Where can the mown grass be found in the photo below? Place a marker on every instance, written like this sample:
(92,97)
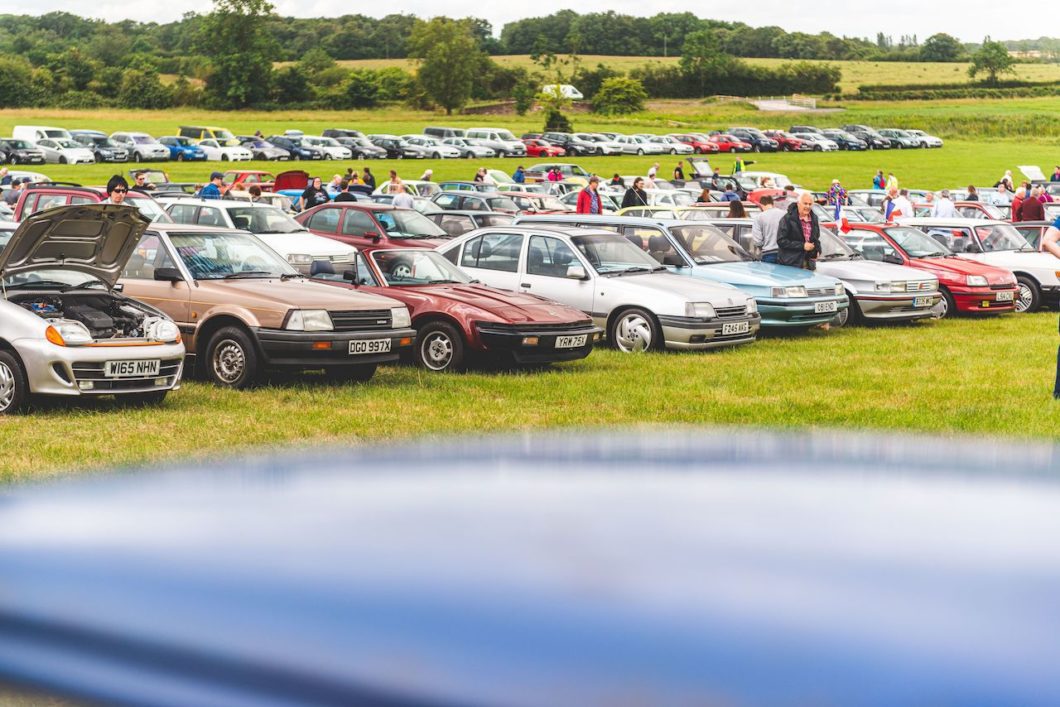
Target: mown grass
(954,377)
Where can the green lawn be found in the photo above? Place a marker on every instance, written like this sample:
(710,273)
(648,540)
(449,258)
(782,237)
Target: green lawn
(955,377)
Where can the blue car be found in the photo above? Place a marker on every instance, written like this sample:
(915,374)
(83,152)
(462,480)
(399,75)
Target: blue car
(182,149)
(787,297)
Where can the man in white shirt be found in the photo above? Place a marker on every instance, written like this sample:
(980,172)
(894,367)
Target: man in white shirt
(943,206)
(903,208)
(764,229)
(1001,197)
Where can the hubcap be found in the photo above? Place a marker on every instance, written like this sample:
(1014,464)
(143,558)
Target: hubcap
(633,334)
(229,361)
(1025,298)
(437,351)
(7,387)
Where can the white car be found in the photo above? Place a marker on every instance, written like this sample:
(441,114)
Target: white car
(142,147)
(604,144)
(216,152)
(269,223)
(499,140)
(925,139)
(820,142)
(637,145)
(998,243)
(332,148)
(65,151)
(672,145)
(67,331)
(469,148)
(435,148)
(668,197)
(640,306)
(778,180)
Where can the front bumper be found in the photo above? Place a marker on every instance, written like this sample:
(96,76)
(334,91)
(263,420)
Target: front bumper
(112,157)
(897,307)
(693,334)
(515,340)
(79,370)
(975,300)
(783,312)
(316,349)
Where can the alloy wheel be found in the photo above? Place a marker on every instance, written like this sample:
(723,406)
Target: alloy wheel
(436,351)
(7,387)
(1025,299)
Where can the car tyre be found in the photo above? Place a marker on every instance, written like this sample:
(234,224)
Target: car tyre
(946,307)
(14,159)
(818,148)
(180,157)
(640,152)
(439,347)
(231,360)
(634,330)
(14,391)
(62,159)
(137,157)
(756,148)
(1029,297)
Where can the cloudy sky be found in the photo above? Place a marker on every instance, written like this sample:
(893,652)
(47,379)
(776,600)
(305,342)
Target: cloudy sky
(968,20)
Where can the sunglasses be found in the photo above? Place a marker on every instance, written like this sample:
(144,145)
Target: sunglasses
(119,190)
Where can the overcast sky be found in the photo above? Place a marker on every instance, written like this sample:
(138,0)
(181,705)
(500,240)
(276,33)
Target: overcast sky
(968,20)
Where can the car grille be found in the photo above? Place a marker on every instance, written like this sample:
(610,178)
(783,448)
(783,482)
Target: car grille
(552,328)
(1003,287)
(730,312)
(820,292)
(367,320)
(94,372)
(925,286)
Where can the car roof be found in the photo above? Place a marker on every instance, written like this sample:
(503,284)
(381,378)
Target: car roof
(170,228)
(607,218)
(953,222)
(223,203)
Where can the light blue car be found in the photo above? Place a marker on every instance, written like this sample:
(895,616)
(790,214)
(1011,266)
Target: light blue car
(786,296)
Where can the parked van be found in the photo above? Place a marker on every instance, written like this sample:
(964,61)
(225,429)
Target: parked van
(565,90)
(500,140)
(33,133)
(224,137)
(442,133)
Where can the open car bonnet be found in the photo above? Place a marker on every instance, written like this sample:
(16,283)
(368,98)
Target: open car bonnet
(96,239)
(1032,172)
(291,179)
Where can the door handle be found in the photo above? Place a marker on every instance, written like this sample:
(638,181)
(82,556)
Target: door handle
(525,284)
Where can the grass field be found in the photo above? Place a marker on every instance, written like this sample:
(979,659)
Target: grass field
(955,377)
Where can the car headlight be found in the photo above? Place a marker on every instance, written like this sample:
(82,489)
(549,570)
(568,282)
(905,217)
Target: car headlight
(752,306)
(300,259)
(162,330)
(67,332)
(977,281)
(839,290)
(310,320)
(794,291)
(399,318)
(701,310)
(883,287)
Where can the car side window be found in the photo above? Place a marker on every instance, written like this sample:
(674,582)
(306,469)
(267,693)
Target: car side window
(456,224)
(474,205)
(209,216)
(183,213)
(494,251)
(446,201)
(81,200)
(655,243)
(357,223)
(149,255)
(324,220)
(871,246)
(50,202)
(549,257)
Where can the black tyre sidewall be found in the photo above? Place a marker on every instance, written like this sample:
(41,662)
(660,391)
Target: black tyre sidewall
(21,385)
(423,334)
(250,356)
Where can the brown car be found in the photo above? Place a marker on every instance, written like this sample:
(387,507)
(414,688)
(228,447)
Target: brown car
(243,309)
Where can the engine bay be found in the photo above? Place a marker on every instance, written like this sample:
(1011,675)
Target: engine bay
(104,315)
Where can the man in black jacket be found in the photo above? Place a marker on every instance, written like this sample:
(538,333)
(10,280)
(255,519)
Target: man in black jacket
(799,235)
(635,195)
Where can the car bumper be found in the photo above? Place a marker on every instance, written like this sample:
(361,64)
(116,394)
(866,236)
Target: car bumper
(897,307)
(778,313)
(692,334)
(518,341)
(982,299)
(193,157)
(113,158)
(32,159)
(311,349)
(79,370)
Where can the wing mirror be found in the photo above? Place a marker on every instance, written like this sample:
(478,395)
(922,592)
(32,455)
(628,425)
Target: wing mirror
(168,275)
(973,247)
(351,274)
(576,272)
(893,258)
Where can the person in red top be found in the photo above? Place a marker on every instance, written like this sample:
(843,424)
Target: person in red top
(1032,208)
(1022,194)
(589,197)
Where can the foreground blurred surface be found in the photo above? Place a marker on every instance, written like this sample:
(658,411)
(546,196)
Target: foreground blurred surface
(693,567)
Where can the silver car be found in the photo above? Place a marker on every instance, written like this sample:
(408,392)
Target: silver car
(64,330)
(640,306)
(60,150)
(469,148)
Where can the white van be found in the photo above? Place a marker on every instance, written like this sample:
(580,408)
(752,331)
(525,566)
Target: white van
(565,90)
(33,133)
(500,140)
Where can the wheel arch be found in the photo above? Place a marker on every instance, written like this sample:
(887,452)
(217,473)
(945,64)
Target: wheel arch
(617,311)
(215,323)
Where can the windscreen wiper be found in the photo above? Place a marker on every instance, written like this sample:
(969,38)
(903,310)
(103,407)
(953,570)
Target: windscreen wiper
(247,273)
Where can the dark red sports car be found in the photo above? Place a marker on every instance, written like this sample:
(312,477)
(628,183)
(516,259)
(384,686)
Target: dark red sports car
(360,224)
(456,319)
(788,142)
(536,147)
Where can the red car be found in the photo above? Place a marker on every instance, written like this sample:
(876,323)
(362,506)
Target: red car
(361,225)
(456,319)
(966,286)
(700,143)
(244,178)
(728,143)
(38,197)
(788,142)
(539,148)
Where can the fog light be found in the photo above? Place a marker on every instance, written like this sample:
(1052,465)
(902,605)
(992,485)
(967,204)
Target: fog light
(598,336)
(407,341)
(86,385)
(159,382)
(321,345)
(530,341)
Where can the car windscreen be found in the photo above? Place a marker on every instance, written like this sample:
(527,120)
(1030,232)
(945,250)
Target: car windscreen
(833,247)
(143,140)
(1001,237)
(917,244)
(501,203)
(228,256)
(407,223)
(612,253)
(264,220)
(409,267)
(18,144)
(149,208)
(67,144)
(708,245)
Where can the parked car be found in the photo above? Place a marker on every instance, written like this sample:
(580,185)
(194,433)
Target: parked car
(536,147)
(925,139)
(499,140)
(442,133)
(1033,231)
(398,149)
(142,147)
(786,297)
(538,172)
(900,139)
(867,197)
(66,330)
(435,148)
(729,143)
(217,152)
(637,145)
(361,148)
(796,129)
(457,223)
(244,310)
(244,178)
(46,196)
(197,133)
(608,203)
(574,146)
(338,133)
(530,203)
(360,225)
(966,209)
(819,142)
(467,201)
(33,133)
(700,144)
(332,148)
(755,179)
(183,149)
(469,149)
(15,151)
(415,187)
(420,204)
(870,136)
(626,292)
(759,141)
(966,286)
(103,148)
(65,151)
(264,150)
(457,320)
(295,147)
(464,185)
(788,142)
(603,144)
(672,145)
(845,140)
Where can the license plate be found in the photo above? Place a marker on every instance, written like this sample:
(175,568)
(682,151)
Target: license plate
(571,342)
(132,369)
(1004,296)
(735,328)
(922,301)
(825,307)
(370,346)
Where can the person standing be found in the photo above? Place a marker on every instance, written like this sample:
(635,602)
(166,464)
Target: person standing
(653,171)
(1056,174)
(973,193)
(117,188)
(1017,204)
(799,235)
(142,185)
(764,229)
(944,207)
(903,208)
(402,199)
(1001,197)
(345,194)
(704,197)
(314,195)
(427,174)
(736,210)
(1051,243)
(878,182)
(837,198)
(369,178)
(213,189)
(635,195)
(1033,209)
(730,194)
(679,173)
(519,175)
(892,182)
(589,198)
(5,178)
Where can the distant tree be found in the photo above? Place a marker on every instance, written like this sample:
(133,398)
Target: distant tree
(16,82)
(447,55)
(620,95)
(992,59)
(291,85)
(557,122)
(315,61)
(143,89)
(361,90)
(241,52)
(703,60)
(941,47)
(524,92)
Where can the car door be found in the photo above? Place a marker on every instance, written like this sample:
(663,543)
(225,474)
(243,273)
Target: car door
(138,279)
(544,273)
(358,228)
(493,258)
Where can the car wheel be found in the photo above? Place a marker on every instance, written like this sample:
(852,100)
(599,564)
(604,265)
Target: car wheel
(924,145)
(62,159)
(13,388)
(640,152)
(851,315)
(785,148)
(947,307)
(231,360)
(439,347)
(818,148)
(756,148)
(1029,297)
(900,146)
(634,331)
(137,157)
(14,159)
(151,399)
(180,157)
(436,156)
(357,374)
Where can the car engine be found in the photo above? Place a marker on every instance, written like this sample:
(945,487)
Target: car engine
(105,317)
